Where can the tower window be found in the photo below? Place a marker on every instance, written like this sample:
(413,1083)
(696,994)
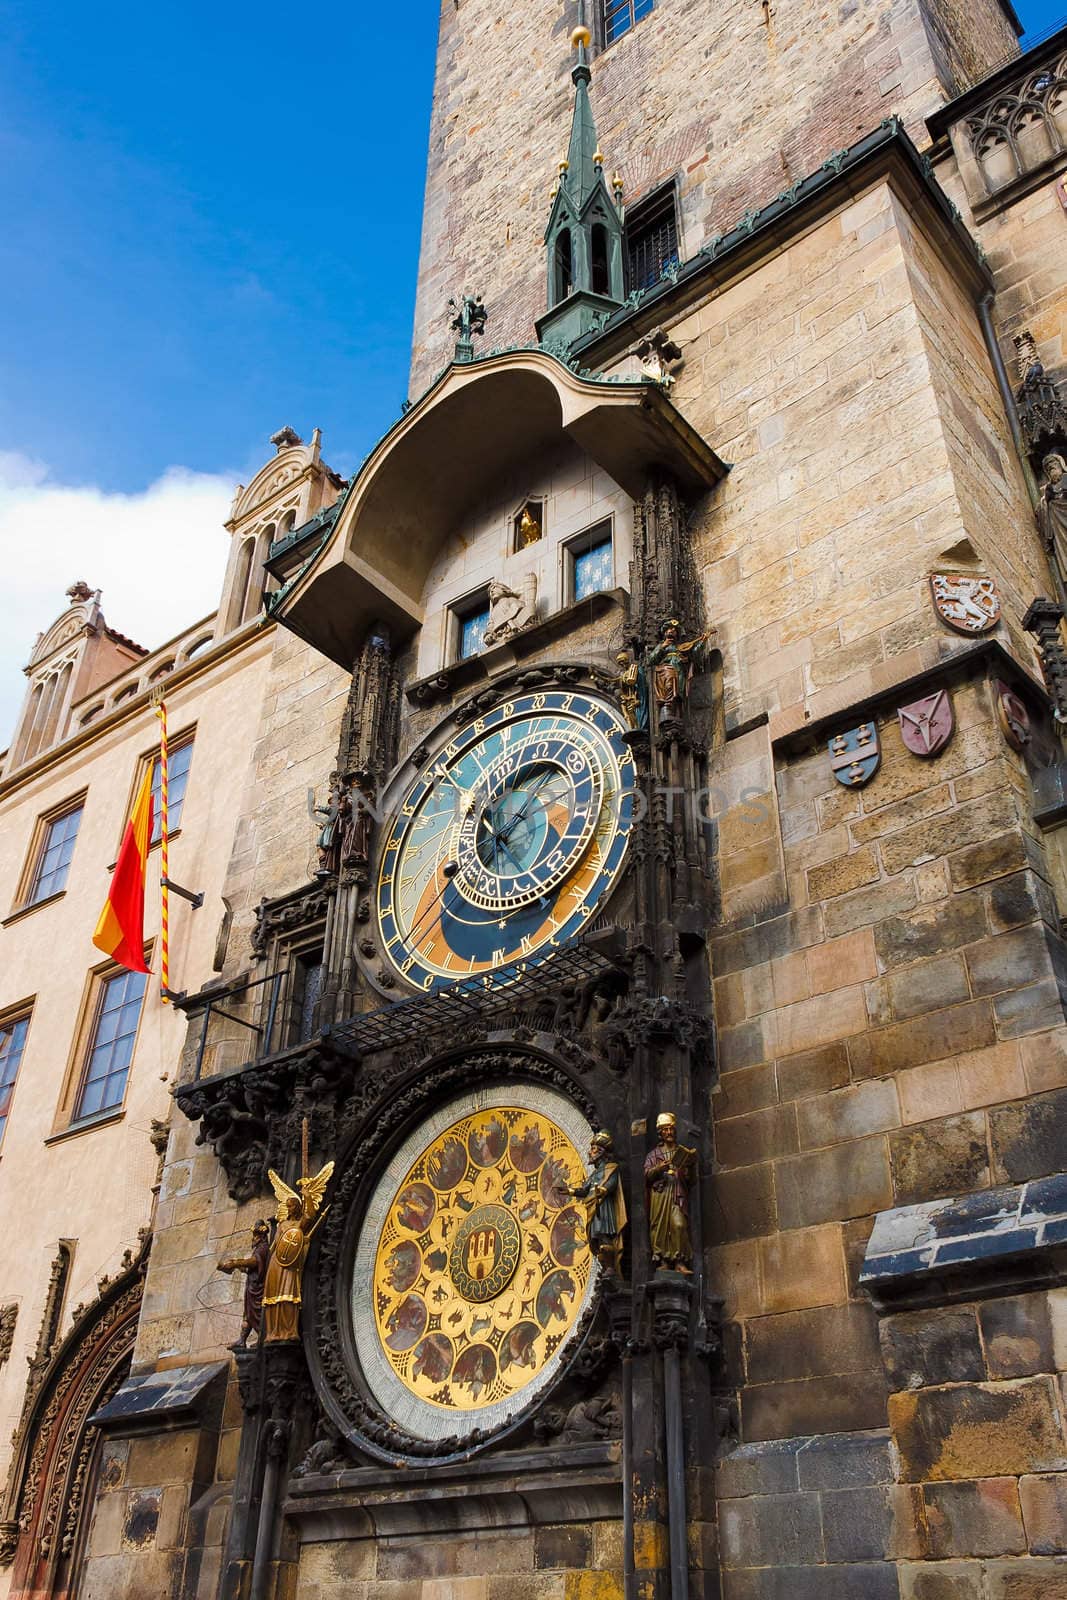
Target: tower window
(564,265)
(469,622)
(601,276)
(619,17)
(591,561)
(651,238)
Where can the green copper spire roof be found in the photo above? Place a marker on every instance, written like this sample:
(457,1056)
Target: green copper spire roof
(582,171)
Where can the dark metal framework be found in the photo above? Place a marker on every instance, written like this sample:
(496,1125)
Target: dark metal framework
(619,17)
(651,238)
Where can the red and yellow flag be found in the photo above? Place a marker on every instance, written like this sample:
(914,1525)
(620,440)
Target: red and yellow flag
(120,930)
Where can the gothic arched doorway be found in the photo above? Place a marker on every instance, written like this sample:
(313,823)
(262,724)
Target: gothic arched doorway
(50,1487)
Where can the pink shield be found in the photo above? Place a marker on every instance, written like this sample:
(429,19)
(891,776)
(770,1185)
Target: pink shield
(926,725)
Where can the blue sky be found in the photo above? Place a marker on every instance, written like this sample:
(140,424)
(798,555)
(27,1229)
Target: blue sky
(210,228)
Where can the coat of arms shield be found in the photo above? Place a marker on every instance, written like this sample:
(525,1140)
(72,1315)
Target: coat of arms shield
(968,603)
(854,756)
(926,725)
(1013,716)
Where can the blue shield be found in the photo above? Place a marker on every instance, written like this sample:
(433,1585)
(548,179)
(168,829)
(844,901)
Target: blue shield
(855,755)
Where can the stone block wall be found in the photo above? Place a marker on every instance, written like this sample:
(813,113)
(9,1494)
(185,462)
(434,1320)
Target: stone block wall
(733,104)
(147,1531)
(896,1035)
(565,1561)
(867,451)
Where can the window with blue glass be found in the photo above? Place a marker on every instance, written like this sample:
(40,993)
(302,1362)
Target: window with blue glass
(472,625)
(179,760)
(620,16)
(107,1065)
(53,862)
(12,1043)
(593,566)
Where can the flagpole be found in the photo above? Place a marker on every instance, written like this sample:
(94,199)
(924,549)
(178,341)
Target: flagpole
(164,854)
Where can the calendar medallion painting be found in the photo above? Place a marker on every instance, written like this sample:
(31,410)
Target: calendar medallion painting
(474,1257)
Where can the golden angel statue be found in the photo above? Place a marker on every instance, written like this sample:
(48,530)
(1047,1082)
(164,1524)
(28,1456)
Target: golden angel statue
(288,1252)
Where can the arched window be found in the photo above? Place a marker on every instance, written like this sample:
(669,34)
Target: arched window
(601,275)
(239,592)
(564,267)
(199,647)
(253,600)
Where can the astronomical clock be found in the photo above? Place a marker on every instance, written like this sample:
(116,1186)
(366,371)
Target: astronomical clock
(472,1267)
(508,841)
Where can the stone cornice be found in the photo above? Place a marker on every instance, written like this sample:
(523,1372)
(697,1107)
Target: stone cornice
(887,154)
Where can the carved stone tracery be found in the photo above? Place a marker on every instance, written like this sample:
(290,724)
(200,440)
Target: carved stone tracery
(55,1441)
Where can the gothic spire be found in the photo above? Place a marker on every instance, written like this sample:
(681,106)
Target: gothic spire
(584,233)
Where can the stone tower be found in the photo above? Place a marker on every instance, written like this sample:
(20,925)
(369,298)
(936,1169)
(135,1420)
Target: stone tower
(665,975)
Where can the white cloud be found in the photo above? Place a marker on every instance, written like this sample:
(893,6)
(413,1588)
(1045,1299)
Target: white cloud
(158,556)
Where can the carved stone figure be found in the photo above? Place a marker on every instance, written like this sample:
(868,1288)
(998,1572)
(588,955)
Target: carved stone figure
(508,610)
(599,1417)
(356,828)
(337,812)
(254,1266)
(605,1204)
(288,1252)
(1052,512)
(669,1172)
(632,689)
(674,665)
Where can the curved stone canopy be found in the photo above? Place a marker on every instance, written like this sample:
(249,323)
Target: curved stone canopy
(468,434)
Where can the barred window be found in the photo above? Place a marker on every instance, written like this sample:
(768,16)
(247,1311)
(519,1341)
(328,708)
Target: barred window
(651,238)
(620,15)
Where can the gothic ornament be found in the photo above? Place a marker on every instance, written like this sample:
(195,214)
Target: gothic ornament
(674,664)
(510,610)
(1013,717)
(968,603)
(926,725)
(855,756)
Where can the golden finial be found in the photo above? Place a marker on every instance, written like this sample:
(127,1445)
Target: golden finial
(563,167)
(616,181)
(581,36)
(598,158)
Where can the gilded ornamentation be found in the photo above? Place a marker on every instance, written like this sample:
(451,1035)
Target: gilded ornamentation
(669,1172)
(482,1261)
(289,1248)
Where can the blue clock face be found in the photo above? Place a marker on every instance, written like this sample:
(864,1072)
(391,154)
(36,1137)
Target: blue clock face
(509,841)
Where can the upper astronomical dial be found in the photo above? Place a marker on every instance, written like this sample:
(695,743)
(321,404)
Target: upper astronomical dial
(529,821)
(508,840)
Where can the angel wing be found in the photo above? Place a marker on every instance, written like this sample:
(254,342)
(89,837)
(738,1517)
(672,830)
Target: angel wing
(282,1193)
(314,1189)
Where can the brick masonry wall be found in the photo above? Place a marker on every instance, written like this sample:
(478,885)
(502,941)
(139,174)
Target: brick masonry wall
(734,102)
